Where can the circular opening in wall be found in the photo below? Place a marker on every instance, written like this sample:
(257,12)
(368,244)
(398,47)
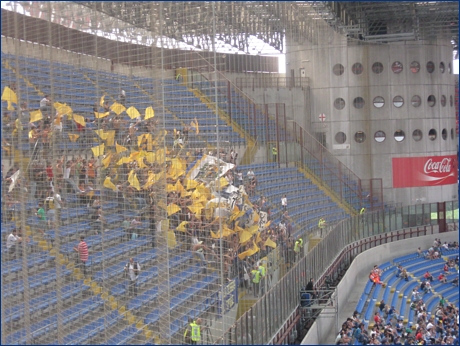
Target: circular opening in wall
(340,137)
(416,101)
(357,68)
(360,137)
(339,103)
(377,67)
(398,101)
(379,102)
(338,69)
(379,136)
(358,102)
(417,135)
(444,134)
(432,134)
(430,66)
(397,67)
(431,100)
(452,134)
(451,101)
(414,66)
(399,135)
(443,100)
(442,68)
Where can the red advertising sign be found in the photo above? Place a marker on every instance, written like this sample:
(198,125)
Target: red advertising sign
(424,171)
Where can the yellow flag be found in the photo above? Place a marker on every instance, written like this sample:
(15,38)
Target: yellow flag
(258,238)
(101,102)
(197,128)
(270,243)
(101,134)
(73,138)
(172,209)
(245,254)
(171,239)
(9,95)
(123,160)
(191,184)
(254,250)
(132,112)
(108,184)
(253,229)
(132,179)
(195,208)
(140,161)
(139,140)
(150,156)
(36,116)
(149,113)
(117,108)
(79,119)
(100,115)
(120,148)
(170,188)
(106,160)
(223,182)
(99,150)
(245,236)
(31,133)
(110,137)
(182,225)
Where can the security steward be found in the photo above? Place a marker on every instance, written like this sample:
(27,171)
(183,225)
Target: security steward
(274,153)
(321,225)
(297,248)
(196,331)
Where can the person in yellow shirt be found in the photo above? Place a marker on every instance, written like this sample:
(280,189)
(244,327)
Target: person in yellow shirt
(255,273)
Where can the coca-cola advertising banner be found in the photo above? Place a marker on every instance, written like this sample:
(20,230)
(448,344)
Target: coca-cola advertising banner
(424,171)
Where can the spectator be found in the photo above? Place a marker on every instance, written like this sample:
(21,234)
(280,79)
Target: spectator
(446,268)
(83,254)
(420,252)
(284,203)
(250,175)
(42,222)
(198,249)
(310,288)
(45,104)
(442,278)
(122,97)
(455,281)
(399,271)
(428,276)
(12,244)
(133,269)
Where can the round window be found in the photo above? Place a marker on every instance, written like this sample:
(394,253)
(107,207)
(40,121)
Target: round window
(358,102)
(432,134)
(452,134)
(451,100)
(443,100)
(431,100)
(379,136)
(442,67)
(360,136)
(377,67)
(416,101)
(417,135)
(398,101)
(338,69)
(444,134)
(379,102)
(397,67)
(430,66)
(399,135)
(415,66)
(339,103)
(340,137)
(449,69)
(357,68)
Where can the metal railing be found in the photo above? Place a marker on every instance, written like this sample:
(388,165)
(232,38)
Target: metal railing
(270,81)
(261,323)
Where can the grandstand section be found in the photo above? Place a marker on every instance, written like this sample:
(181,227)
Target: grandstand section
(151,194)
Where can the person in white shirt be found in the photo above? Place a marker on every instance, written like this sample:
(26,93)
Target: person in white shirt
(45,104)
(12,242)
(133,269)
(284,203)
(250,174)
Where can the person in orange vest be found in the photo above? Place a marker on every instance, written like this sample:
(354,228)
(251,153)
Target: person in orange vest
(374,276)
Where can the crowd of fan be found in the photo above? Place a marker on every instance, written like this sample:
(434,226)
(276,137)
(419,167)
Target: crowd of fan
(47,182)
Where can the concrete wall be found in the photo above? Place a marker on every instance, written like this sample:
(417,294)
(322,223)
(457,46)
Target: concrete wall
(359,270)
(370,159)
